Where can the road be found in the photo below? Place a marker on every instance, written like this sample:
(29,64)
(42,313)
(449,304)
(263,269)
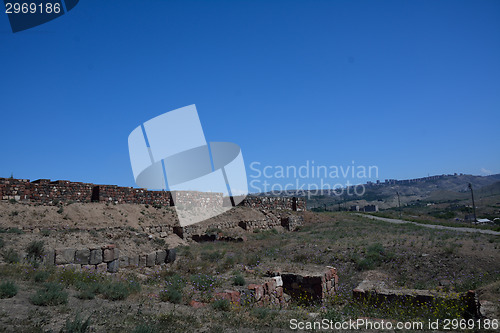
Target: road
(433,226)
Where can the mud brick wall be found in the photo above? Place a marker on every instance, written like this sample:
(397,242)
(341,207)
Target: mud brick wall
(105,259)
(275,203)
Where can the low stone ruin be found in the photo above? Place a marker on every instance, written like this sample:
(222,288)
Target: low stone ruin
(105,259)
(372,292)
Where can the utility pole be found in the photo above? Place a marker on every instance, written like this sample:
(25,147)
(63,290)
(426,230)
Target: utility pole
(399,204)
(473,204)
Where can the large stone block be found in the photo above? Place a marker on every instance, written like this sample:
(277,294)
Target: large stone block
(108,255)
(142,260)
(49,257)
(113,266)
(151,259)
(161,256)
(171,255)
(133,261)
(124,261)
(64,256)
(82,256)
(95,256)
(102,267)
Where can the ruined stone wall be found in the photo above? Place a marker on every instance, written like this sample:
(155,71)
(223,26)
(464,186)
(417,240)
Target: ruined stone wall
(45,191)
(105,259)
(275,203)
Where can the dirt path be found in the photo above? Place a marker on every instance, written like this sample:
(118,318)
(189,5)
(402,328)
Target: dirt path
(432,226)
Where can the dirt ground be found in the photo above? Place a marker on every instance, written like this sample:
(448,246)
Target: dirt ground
(399,256)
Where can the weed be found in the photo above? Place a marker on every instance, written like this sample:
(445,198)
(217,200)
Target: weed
(35,251)
(8,289)
(41,276)
(221,305)
(144,328)
(52,293)
(239,280)
(171,295)
(78,325)
(11,256)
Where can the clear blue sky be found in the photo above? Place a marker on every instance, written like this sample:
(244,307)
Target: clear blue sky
(412,87)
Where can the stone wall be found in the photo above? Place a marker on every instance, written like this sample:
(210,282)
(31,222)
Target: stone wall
(374,294)
(309,288)
(275,203)
(105,259)
(45,191)
(199,232)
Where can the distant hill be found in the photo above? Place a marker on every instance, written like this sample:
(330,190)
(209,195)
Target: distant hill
(440,188)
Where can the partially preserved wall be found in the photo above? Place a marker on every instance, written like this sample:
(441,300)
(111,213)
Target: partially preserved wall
(45,191)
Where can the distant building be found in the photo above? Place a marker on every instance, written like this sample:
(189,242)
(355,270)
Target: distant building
(370,208)
(483,221)
(354,208)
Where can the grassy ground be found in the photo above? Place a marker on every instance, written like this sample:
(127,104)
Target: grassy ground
(144,300)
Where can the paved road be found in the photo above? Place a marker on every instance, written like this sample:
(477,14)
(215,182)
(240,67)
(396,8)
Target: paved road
(433,226)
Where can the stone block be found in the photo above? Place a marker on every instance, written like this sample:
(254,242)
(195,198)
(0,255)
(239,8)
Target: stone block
(90,268)
(151,259)
(49,257)
(64,256)
(108,255)
(134,261)
(95,256)
(258,290)
(82,256)
(113,266)
(161,256)
(142,261)
(171,255)
(124,261)
(102,267)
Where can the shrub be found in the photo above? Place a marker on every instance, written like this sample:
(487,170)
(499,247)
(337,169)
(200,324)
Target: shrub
(86,294)
(239,280)
(221,305)
(41,276)
(51,294)
(45,232)
(11,256)
(116,291)
(35,250)
(78,325)
(8,289)
(203,282)
(171,295)
(2,243)
(212,256)
(144,328)
(260,313)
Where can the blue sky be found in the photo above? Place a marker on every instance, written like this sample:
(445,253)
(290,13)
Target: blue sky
(412,87)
